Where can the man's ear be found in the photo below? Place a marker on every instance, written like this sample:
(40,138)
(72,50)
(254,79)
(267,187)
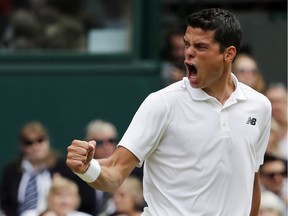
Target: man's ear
(229,54)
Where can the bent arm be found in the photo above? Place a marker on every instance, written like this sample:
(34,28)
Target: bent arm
(115,169)
(256,198)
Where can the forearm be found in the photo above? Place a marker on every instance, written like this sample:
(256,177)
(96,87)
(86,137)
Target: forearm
(103,174)
(115,169)
(256,199)
(110,177)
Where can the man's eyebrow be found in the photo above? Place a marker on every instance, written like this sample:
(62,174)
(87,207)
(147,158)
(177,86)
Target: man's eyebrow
(201,43)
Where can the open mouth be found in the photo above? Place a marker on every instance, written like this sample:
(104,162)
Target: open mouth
(191,68)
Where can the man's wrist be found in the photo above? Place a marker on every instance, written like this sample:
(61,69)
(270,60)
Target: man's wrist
(92,172)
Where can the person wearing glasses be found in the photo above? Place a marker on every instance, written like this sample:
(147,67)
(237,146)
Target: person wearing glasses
(105,134)
(26,180)
(273,176)
(203,138)
(277,94)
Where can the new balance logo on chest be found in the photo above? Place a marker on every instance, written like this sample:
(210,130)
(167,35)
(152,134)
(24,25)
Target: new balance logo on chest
(251,121)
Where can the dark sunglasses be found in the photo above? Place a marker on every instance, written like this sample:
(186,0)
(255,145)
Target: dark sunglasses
(101,142)
(272,175)
(35,141)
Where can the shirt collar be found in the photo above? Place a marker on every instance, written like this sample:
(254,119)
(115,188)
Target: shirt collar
(239,93)
(28,167)
(199,94)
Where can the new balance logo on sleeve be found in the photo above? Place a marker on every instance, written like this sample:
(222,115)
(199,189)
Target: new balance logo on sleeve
(251,121)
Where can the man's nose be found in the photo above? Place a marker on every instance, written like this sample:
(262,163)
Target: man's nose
(190,52)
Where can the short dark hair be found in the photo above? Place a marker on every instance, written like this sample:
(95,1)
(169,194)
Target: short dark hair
(227,27)
(272,158)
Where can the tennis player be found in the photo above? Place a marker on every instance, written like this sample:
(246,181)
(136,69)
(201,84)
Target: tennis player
(202,138)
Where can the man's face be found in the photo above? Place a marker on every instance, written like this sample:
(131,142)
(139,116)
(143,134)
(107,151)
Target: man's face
(124,202)
(203,60)
(246,71)
(278,99)
(272,175)
(63,201)
(105,144)
(35,147)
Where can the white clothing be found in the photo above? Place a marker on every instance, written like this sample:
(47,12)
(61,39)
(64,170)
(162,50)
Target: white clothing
(34,212)
(43,184)
(200,156)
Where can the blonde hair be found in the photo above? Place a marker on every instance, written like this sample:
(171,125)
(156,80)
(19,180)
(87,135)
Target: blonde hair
(33,127)
(38,128)
(260,84)
(59,183)
(134,186)
(99,126)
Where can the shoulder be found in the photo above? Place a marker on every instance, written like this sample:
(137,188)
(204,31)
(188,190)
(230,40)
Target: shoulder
(173,88)
(14,165)
(164,98)
(168,92)
(254,96)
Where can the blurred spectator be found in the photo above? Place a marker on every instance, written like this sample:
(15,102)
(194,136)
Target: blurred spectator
(246,70)
(63,199)
(106,13)
(23,32)
(58,24)
(105,134)
(33,165)
(273,176)
(277,94)
(173,57)
(271,205)
(128,198)
(93,202)
(65,33)
(273,144)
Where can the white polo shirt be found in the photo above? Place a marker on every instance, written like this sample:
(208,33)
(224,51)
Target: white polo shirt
(200,156)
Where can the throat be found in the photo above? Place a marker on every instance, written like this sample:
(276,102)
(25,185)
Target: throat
(221,93)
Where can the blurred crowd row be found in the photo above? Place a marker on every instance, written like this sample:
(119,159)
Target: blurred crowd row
(60,192)
(57,24)
(56,189)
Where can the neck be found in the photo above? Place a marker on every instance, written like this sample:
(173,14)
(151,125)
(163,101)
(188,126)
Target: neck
(222,89)
(135,213)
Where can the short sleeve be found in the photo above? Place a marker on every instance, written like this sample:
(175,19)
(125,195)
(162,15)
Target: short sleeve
(262,143)
(146,128)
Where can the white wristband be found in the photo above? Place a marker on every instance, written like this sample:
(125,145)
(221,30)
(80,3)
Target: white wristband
(92,172)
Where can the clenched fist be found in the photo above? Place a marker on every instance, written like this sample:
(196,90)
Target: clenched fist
(79,155)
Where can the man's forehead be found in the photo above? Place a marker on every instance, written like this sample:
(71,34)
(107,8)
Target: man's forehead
(198,35)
